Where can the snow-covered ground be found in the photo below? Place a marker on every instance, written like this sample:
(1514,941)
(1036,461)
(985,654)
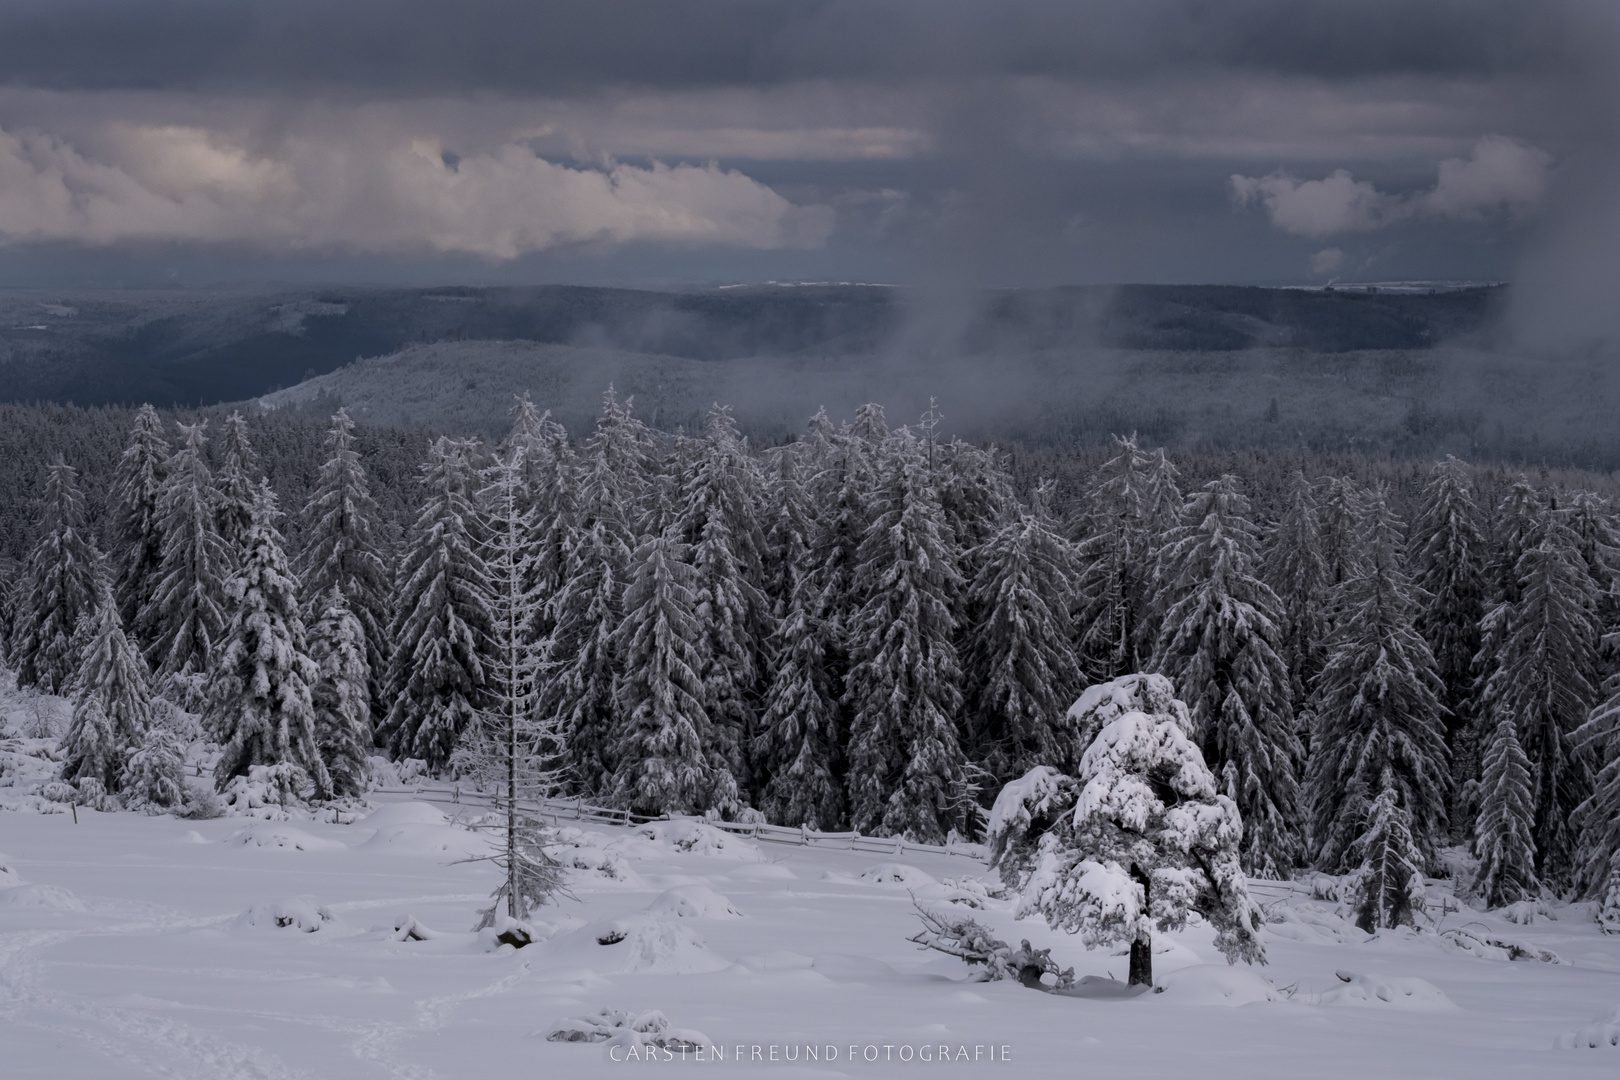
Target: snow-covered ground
(134,945)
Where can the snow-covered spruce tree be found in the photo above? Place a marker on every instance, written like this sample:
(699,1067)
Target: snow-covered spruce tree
(720,498)
(579,663)
(154,777)
(182,622)
(1297,573)
(1376,705)
(1389,887)
(551,486)
(1020,661)
(1598,818)
(1449,551)
(237,485)
(977,499)
(1543,681)
(1136,841)
(1503,827)
(112,709)
(61,584)
(342,693)
(436,671)
(1219,646)
(1341,511)
(137,511)
(797,750)
(259,704)
(666,759)
(903,691)
(1591,519)
(1162,507)
(1116,559)
(342,550)
(509,748)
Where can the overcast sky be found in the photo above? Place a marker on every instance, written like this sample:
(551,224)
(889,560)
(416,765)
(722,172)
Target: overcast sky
(702,141)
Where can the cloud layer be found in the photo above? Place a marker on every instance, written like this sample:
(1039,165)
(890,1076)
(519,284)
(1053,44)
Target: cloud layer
(177,183)
(1499,176)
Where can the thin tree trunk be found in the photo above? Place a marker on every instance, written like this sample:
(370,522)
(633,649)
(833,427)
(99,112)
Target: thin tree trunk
(1142,946)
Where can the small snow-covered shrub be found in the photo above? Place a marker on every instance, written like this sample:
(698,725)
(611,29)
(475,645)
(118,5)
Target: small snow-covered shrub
(700,838)
(407,928)
(1608,912)
(1603,1035)
(93,794)
(202,804)
(1526,912)
(892,873)
(577,849)
(957,934)
(9,877)
(411,771)
(649,1028)
(301,913)
(154,775)
(1381,991)
(265,786)
(694,902)
(59,791)
(1495,947)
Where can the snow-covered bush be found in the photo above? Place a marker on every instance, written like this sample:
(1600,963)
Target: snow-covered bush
(650,1028)
(281,785)
(1138,841)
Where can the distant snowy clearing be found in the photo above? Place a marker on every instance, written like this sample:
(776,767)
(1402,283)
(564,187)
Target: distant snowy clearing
(134,946)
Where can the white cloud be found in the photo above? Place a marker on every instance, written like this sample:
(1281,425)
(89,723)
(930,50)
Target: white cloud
(1327,260)
(334,190)
(1499,176)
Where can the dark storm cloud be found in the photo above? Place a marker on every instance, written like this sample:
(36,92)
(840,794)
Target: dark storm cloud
(524,47)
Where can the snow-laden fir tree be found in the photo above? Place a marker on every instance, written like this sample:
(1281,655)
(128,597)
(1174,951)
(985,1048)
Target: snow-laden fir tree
(154,776)
(579,666)
(1449,550)
(1377,705)
(112,708)
(903,690)
(1516,526)
(1297,573)
(1219,645)
(182,622)
(798,749)
(1341,510)
(61,584)
(1020,662)
(1162,507)
(259,684)
(666,757)
(341,695)
(1598,818)
(1116,559)
(136,510)
(1136,841)
(839,483)
(1591,519)
(343,551)
(1503,827)
(436,670)
(511,750)
(551,486)
(1543,680)
(720,498)
(236,482)
(1389,885)
(976,496)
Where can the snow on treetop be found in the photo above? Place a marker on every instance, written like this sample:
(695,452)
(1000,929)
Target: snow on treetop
(1029,796)
(1105,702)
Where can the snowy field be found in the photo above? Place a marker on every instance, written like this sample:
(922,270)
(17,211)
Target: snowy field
(150,946)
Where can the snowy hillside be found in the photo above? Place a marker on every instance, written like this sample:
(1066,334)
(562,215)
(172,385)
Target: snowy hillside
(240,947)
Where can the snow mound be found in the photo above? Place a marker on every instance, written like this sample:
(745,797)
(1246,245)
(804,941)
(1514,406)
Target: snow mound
(433,841)
(404,813)
(763,872)
(1217,984)
(700,838)
(893,873)
(276,835)
(9,878)
(694,902)
(40,898)
(301,913)
(1604,1033)
(1378,991)
(1489,946)
(965,891)
(650,1028)
(193,837)
(780,960)
(651,941)
(1311,922)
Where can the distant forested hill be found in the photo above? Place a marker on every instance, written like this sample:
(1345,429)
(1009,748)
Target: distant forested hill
(204,346)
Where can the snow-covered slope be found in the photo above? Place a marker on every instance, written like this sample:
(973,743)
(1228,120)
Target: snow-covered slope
(151,946)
